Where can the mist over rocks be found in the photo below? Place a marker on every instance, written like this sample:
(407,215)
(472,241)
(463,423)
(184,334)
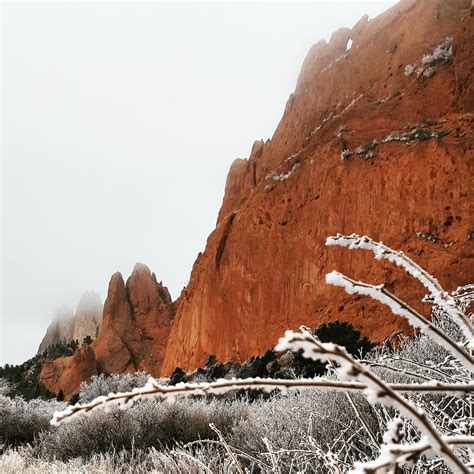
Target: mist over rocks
(60,329)
(88,317)
(67,326)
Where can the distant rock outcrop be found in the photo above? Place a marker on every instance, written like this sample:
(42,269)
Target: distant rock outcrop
(88,317)
(136,323)
(67,326)
(60,329)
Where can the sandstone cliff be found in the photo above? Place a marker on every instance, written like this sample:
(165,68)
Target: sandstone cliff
(137,321)
(67,373)
(376,139)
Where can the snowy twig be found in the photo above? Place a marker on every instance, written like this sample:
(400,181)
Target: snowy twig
(439,296)
(399,307)
(377,390)
(227,448)
(153,390)
(393,453)
(395,369)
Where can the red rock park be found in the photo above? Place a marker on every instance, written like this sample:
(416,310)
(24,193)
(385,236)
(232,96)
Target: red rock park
(376,139)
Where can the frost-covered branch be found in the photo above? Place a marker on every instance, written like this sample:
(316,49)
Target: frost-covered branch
(153,390)
(439,296)
(394,453)
(377,390)
(399,307)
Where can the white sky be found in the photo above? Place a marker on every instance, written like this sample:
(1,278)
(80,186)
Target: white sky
(119,123)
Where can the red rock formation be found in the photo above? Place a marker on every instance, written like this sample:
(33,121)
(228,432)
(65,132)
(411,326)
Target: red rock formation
(136,323)
(264,265)
(67,373)
(403,125)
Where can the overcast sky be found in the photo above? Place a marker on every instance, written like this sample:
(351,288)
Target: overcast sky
(119,124)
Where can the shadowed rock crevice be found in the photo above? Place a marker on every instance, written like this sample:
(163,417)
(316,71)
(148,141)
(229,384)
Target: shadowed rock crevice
(225,234)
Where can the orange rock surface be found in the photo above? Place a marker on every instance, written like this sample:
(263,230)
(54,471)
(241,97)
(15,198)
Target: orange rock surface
(398,107)
(264,265)
(67,373)
(136,323)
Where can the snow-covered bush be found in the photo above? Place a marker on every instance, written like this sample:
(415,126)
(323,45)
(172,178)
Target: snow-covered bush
(283,176)
(442,53)
(105,384)
(22,420)
(193,460)
(150,423)
(409,70)
(300,425)
(4,386)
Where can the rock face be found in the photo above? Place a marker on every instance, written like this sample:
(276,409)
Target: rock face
(376,139)
(67,326)
(398,107)
(67,373)
(88,317)
(60,329)
(136,323)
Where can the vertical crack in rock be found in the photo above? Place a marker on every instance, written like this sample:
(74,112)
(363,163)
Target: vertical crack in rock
(223,239)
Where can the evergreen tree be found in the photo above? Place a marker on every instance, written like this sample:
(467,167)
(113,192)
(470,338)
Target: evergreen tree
(177,376)
(344,334)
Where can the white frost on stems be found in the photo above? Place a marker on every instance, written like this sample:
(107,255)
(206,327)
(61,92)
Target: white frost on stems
(394,432)
(439,296)
(169,393)
(400,308)
(392,453)
(377,390)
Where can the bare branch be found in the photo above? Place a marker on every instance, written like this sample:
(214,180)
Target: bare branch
(153,390)
(394,453)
